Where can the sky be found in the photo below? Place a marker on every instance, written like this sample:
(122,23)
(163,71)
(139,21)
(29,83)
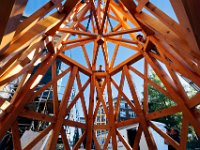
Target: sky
(123,54)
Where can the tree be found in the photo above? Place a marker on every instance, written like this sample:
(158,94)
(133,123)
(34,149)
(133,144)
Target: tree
(158,101)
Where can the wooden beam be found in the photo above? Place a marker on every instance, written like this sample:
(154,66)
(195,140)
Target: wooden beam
(38,138)
(137,137)
(5,12)
(192,10)
(104,16)
(64,138)
(70,62)
(90,119)
(62,110)
(83,102)
(74,124)
(81,139)
(163,113)
(37,116)
(141,4)
(16,136)
(149,137)
(20,100)
(128,147)
(128,61)
(13,21)
(127,122)
(165,136)
(35,32)
(122,32)
(66,30)
(111,109)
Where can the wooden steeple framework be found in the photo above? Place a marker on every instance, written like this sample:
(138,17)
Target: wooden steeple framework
(177,52)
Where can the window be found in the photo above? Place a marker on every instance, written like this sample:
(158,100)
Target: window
(131,114)
(122,114)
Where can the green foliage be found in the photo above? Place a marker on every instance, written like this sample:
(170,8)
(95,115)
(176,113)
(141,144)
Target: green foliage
(158,101)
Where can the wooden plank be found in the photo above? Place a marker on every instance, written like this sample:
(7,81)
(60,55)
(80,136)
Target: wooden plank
(184,133)
(127,122)
(195,100)
(80,141)
(105,54)
(108,137)
(111,109)
(104,16)
(184,22)
(86,56)
(102,99)
(64,139)
(17,70)
(122,32)
(16,136)
(124,96)
(82,95)
(121,85)
(166,35)
(145,102)
(38,138)
(69,6)
(74,101)
(22,98)
(149,137)
(101,127)
(178,64)
(192,10)
(165,136)
(172,89)
(55,88)
(33,19)
(5,11)
(50,83)
(95,54)
(78,40)
(34,33)
(62,110)
(71,46)
(37,116)
(137,138)
(122,139)
(90,119)
(66,30)
(97,146)
(70,62)
(162,113)
(141,4)
(128,61)
(95,16)
(13,63)
(122,40)
(124,44)
(74,124)
(13,21)
(114,56)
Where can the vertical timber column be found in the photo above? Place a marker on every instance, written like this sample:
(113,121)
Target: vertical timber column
(111,113)
(90,118)
(62,110)
(143,122)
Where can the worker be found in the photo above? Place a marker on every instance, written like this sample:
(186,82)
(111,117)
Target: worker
(140,38)
(99,80)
